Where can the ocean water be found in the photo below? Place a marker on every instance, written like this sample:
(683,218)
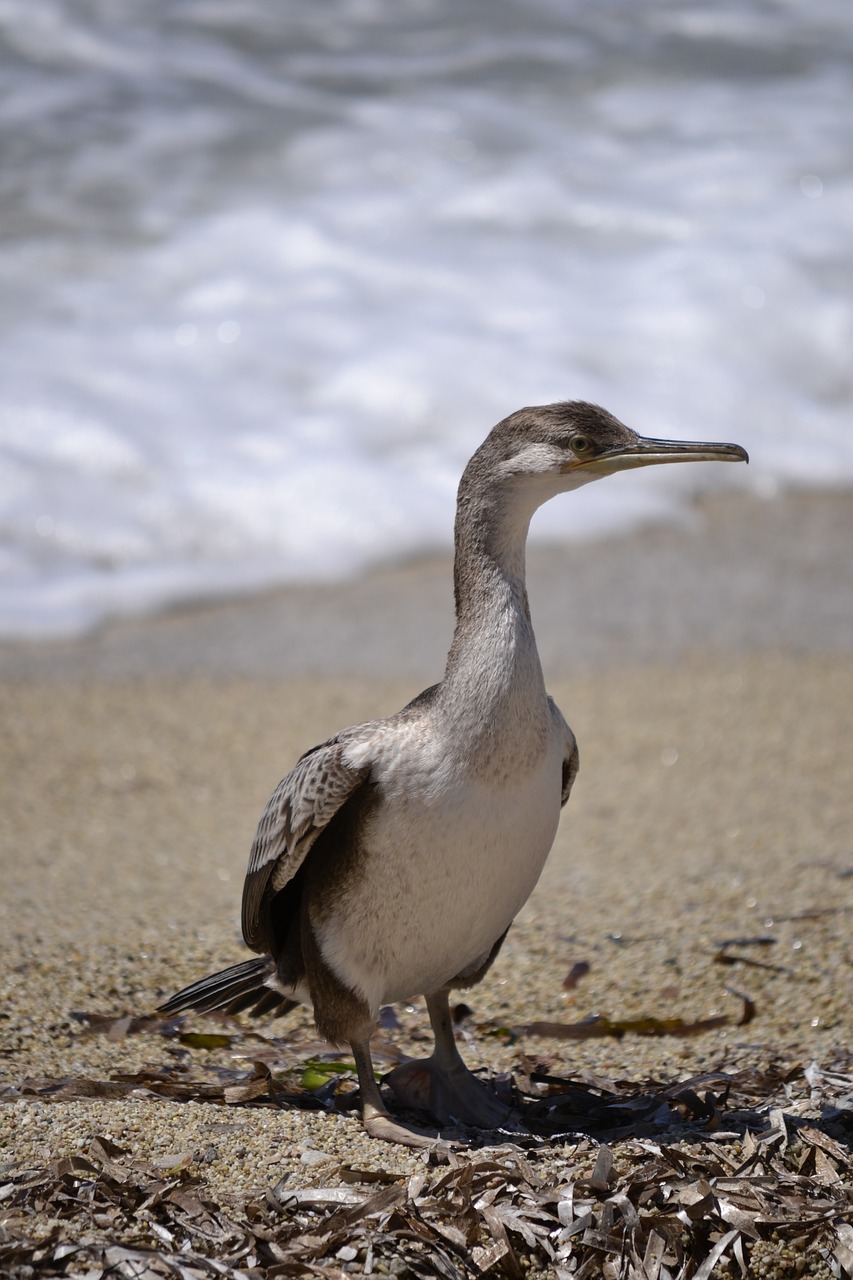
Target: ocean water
(269,272)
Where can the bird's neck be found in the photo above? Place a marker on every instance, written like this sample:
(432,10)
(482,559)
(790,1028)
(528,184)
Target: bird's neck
(493,665)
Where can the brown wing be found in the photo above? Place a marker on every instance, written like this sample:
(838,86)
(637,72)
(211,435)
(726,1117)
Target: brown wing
(301,806)
(571,764)
(571,757)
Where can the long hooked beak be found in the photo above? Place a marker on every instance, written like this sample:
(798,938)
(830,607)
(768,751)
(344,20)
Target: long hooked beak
(645,452)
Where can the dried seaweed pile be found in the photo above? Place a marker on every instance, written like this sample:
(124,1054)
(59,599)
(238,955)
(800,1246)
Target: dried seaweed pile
(759,1183)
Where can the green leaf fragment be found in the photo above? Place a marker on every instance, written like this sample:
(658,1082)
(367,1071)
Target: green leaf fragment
(316,1073)
(205,1040)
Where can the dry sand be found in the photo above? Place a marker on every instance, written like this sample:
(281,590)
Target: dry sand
(708,674)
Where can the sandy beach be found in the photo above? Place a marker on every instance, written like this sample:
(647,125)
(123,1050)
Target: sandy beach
(708,674)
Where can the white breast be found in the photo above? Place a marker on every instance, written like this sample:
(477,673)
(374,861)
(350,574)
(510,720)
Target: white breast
(452,857)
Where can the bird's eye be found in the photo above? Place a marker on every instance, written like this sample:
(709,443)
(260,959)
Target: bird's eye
(580,444)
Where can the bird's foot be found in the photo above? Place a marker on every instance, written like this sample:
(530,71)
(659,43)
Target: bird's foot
(454,1095)
(378,1124)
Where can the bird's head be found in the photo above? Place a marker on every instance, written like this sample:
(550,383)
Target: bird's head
(537,453)
(571,443)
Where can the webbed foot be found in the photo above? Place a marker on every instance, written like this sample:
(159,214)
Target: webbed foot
(450,1095)
(378,1124)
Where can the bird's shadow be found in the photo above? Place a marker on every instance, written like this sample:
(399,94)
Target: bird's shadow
(736,1105)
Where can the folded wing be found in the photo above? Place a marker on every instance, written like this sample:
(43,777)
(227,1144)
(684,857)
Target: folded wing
(299,809)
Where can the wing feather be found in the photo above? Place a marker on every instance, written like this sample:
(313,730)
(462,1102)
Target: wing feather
(571,757)
(302,805)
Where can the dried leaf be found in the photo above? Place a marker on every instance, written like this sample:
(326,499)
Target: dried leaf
(597,1026)
(638,1202)
(205,1040)
(725,957)
(257,1084)
(754,940)
(117,1028)
(601,1177)
(317,1073)
(578,970)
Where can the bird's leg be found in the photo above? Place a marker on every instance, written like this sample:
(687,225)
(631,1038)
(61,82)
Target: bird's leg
(442,1084)
(374,1113)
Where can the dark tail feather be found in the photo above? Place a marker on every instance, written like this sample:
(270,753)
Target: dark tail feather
(243,986)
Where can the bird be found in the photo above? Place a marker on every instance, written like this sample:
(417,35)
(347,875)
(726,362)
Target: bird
(392,859)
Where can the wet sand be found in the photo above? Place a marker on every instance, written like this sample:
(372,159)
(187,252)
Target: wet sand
(737,576)
(708,674)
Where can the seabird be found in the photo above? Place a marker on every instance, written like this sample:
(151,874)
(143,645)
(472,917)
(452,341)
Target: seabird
(392,859)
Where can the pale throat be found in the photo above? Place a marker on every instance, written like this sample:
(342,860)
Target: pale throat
(493,659)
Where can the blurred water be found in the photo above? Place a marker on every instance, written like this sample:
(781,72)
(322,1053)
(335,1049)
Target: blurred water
(268,273)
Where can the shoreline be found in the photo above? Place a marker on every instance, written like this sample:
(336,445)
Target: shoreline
(739,574)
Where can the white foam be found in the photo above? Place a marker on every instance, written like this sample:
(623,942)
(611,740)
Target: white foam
(266,281)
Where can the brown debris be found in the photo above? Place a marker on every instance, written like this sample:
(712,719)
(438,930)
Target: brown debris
(725,957)
(718,1175)
(597,1026)
(578,970)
